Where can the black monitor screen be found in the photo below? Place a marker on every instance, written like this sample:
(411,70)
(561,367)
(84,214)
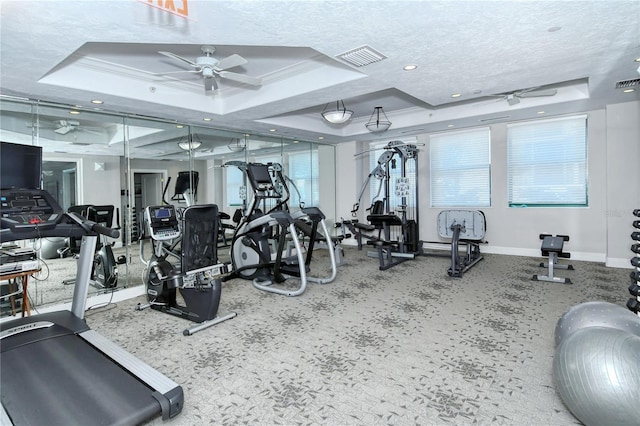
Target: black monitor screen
(183,183)
(259,173)
(21,166)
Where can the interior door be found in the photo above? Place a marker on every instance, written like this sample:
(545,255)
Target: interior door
(151,189)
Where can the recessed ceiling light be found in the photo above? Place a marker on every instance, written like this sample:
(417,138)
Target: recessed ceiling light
(206,119)
(410,67)
(628,90)
(296,141)
(540,112)
(450,125)
(179,126)
(272,130)
(456,95)
(74,112)
(321,137)
(97,101)
(637,60)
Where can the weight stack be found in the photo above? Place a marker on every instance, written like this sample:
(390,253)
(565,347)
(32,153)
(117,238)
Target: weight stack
(634,288)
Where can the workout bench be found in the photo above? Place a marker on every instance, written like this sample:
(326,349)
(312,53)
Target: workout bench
(552,247)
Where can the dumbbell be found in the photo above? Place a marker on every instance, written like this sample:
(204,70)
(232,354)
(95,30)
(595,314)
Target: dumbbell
(635,275)
(636,212)
(633,305)
(635,236)
(635,261)
(634,289)
(635,248)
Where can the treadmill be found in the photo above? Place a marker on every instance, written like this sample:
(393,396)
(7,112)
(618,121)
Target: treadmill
(55,370)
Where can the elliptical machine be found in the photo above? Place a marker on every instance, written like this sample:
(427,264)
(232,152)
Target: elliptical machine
(267,229)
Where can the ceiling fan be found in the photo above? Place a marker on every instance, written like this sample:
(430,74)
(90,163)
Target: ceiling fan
(513,98)
(210,68)
(63,127)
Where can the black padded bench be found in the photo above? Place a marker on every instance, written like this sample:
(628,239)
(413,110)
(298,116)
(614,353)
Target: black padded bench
(552,247)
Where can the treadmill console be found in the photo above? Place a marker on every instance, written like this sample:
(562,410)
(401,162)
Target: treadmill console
(162,222)
(28,210)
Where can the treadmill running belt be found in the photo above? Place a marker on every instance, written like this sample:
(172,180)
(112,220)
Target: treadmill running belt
(76,385)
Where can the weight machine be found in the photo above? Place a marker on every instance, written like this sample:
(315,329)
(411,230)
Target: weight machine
(392,214)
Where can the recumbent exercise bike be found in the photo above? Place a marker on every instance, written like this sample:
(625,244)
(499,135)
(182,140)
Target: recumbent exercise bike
(197,274)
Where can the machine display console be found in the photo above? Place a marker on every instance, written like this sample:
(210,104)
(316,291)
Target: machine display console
(28,209)
(162,222)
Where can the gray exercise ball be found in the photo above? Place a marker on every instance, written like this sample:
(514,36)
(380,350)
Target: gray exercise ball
(595,371)
(49,247)
(596,314)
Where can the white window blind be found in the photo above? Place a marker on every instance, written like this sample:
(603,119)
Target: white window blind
(303,171)
(547,162)
(234,177)
(460,168)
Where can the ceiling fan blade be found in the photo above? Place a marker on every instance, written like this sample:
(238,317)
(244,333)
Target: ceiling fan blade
(179,58)
(536,93)
(230,62)
(175,72)
(240,78)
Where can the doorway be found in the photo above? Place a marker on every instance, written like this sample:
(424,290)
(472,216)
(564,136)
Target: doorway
(148,186)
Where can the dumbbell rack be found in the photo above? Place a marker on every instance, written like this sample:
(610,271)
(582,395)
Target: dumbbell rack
(634,288)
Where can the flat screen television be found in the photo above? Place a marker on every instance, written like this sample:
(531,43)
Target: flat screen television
(21,166)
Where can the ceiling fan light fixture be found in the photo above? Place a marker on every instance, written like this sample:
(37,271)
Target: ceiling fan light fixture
(378,122)
(338,115)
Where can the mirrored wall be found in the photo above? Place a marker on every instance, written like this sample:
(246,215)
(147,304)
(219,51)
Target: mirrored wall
(97,158)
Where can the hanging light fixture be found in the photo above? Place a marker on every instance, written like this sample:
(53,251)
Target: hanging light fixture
(378,122)
(237,144)
(189,144)
(338,115)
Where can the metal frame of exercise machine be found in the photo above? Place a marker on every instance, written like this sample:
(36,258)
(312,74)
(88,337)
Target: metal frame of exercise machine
(552,247)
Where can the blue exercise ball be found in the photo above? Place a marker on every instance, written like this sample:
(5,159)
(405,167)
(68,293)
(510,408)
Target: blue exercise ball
(595,371)
(596,314)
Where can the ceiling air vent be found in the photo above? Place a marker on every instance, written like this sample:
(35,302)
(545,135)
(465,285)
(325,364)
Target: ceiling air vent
(627,83)
(362,56)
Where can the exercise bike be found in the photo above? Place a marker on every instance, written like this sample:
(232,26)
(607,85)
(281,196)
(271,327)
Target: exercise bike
(104,272)
(197,273)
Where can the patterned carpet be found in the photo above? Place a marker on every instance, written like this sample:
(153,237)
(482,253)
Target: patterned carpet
(406,346)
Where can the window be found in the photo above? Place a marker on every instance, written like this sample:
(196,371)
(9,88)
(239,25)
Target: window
(376,185)
(547,163)
(234,186)
(460,168)
(303,172)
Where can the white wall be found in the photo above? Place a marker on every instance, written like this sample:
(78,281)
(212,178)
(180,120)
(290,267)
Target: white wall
(599,232)
(623,179)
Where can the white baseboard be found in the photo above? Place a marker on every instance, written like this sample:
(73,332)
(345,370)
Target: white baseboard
(616,262)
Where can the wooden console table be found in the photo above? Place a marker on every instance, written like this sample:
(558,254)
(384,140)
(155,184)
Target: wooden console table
(13,287)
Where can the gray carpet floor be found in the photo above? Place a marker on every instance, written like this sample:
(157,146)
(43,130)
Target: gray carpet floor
(406,346)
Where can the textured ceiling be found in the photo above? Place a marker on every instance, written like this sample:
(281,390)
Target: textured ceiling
(72,52)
